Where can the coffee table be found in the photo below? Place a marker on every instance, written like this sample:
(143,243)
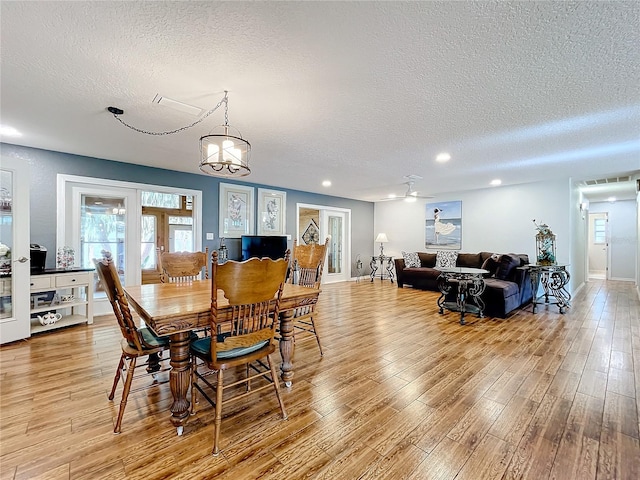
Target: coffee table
(470,284)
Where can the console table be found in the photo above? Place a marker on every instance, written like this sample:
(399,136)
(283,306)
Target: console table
(382,260)
(66,290)
(553,279)
(470,284)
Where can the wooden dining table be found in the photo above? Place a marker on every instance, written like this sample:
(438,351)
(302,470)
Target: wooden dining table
(176,309)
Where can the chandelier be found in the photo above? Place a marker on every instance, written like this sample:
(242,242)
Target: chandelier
(222,154)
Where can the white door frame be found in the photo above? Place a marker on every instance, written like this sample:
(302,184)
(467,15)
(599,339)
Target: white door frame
(68,232)
(346,247)
(18,325)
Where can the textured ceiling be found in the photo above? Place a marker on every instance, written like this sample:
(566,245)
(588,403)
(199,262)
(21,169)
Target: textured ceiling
(360,93)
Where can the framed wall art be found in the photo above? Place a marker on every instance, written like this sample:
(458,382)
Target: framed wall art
(443,225)
(236,210)
(272,209)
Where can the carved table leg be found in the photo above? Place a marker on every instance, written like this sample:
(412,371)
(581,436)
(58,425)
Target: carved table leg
(535,285)
(286,346)
(390,269)
(179,378)
(374,268)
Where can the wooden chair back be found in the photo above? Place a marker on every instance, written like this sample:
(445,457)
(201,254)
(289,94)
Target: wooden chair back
(178,267)
(111,282)
(307,263)
(253,289)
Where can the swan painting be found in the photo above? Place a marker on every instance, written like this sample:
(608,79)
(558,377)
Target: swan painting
(445,228)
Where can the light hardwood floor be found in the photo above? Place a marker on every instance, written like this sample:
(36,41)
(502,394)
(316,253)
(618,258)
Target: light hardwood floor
(402,392)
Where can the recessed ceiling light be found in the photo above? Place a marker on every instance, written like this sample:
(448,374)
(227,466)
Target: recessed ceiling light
(326,183)
(391,195)
(611,199)
(443,157)
(496,181)
(8,131)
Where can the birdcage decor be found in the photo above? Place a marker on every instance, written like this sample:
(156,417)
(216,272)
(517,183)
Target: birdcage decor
(545,245)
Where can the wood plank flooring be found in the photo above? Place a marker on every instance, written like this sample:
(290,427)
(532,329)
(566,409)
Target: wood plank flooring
(402,392)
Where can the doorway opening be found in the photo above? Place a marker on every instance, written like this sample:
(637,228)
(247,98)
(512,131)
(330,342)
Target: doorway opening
(598,246)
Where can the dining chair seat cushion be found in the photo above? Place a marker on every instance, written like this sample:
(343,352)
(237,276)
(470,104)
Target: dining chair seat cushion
(202,348)
(151,340)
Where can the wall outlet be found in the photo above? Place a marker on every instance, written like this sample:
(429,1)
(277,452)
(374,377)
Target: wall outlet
(209,236)
(288,237)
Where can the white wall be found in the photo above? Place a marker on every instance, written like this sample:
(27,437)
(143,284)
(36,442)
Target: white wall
(495,219)
(579,237)
(623,232)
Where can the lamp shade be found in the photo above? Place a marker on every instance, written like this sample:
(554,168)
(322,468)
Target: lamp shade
(382,238)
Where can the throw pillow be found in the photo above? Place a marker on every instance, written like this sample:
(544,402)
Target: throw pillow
(446,259)
(427,259)
(491,264)
(507,263)
(411,259)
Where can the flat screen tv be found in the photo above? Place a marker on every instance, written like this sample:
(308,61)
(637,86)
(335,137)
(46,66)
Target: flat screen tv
(259,246)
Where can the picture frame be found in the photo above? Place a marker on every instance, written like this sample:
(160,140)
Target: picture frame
(272,212)
(236,211)
(443,225)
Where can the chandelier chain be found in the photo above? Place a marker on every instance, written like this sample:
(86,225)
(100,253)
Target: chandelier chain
(225,100)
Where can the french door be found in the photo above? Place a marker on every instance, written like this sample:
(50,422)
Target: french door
(14,253)
(97,214)
(315,223)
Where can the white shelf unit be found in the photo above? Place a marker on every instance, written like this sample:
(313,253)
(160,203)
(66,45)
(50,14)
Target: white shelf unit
(76,283)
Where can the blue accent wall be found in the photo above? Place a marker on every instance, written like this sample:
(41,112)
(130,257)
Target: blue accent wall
(45,165)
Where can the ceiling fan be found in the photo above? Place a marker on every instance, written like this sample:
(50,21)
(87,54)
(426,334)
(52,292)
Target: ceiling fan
(410,195)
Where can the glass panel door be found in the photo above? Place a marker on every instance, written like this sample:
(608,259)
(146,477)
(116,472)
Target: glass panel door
(6,243)
(14,250)
(102,227)
(334,255)
(335,223)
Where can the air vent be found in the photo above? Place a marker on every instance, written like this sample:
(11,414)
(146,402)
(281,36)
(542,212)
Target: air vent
(176,105)
(606,181)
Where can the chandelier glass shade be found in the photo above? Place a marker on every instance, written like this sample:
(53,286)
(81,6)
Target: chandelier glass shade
(225,155)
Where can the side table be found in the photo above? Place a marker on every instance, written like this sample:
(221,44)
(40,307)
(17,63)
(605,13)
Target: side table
(382,260)
(470,283)
(553,279)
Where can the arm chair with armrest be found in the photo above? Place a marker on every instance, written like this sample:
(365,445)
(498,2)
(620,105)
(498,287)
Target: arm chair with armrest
(245,336)
(182,266)
(307,264)
(136,342)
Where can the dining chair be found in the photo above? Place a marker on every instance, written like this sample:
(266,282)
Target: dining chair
(243,337)
(137,342)
(182,266)
(307,264)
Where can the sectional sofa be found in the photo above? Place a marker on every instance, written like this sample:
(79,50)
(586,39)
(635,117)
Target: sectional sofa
(507,285)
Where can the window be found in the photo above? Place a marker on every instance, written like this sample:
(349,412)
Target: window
(599,230)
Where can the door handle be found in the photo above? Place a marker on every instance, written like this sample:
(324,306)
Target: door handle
(22,259)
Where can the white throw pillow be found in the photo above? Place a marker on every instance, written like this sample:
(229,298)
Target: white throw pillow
(411,259)
(446,259)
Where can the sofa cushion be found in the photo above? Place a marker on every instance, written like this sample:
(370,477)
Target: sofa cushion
(427,259)
(471,260)
(500,297)
(446,259)
(420,272)
(411,259)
